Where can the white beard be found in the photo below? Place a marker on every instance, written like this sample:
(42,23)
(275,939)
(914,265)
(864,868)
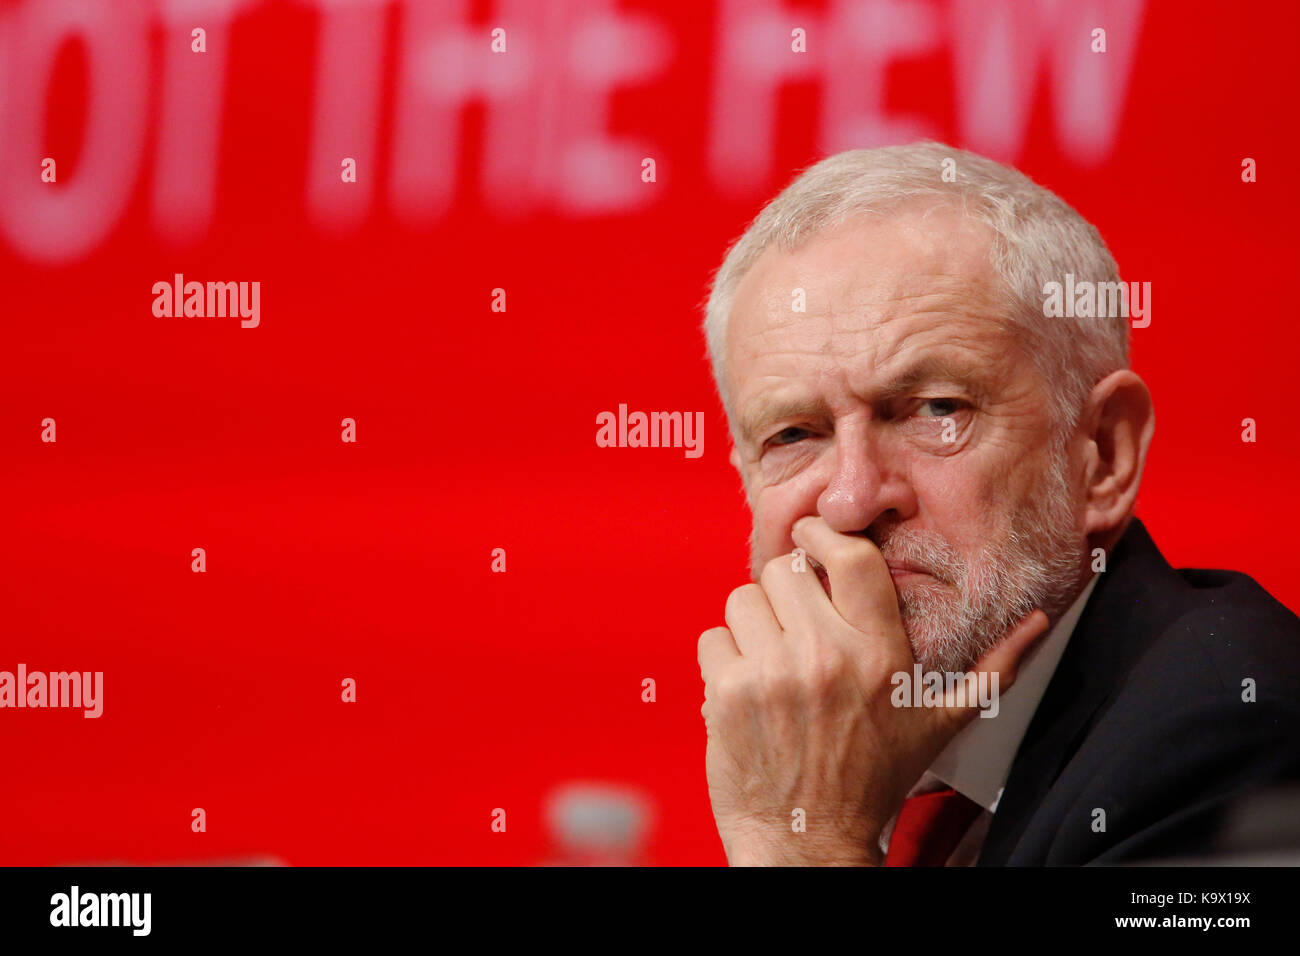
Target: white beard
(953,619)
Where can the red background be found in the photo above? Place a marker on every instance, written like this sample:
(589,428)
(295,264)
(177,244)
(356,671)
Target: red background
(476,430)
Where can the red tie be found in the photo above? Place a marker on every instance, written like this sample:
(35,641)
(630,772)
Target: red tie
(929,827)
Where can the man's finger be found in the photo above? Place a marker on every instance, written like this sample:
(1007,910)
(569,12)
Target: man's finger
(862,590)
(717,650)
(753,624)
(795,596)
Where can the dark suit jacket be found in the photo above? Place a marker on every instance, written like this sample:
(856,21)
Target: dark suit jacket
(1144,717)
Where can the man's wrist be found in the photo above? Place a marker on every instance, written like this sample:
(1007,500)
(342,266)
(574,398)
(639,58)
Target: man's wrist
(798,850)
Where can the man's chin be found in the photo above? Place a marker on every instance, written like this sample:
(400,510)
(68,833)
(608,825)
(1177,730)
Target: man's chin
(950,648)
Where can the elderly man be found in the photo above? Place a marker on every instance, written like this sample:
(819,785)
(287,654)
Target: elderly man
(942,470)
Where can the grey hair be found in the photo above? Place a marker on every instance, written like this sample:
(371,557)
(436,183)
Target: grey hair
(1037,238)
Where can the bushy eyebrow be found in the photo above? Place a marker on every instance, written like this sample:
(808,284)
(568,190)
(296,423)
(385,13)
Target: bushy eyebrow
(930,368)
(753,423)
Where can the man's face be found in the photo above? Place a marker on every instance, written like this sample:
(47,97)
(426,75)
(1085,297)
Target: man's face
(900,405)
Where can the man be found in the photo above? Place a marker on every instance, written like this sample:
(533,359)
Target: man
(942,471)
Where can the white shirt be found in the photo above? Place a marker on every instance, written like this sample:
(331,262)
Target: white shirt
(977,761)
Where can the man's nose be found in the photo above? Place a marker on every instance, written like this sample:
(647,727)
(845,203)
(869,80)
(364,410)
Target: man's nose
(864,485)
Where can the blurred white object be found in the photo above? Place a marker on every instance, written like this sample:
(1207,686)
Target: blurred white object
(598,824)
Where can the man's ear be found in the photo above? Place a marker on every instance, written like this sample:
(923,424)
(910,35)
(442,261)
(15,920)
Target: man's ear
(1119,420)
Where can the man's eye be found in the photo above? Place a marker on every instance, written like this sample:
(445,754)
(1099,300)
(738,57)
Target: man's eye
(787,436)
(941,407)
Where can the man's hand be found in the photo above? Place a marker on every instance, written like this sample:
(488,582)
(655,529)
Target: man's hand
(797,706)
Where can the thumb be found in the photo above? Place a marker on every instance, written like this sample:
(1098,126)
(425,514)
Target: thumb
(993,673)
(1004,657)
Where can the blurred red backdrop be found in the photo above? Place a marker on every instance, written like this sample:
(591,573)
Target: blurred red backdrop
(480,690)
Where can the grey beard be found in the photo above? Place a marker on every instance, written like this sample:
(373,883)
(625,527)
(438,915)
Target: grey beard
(1037,563)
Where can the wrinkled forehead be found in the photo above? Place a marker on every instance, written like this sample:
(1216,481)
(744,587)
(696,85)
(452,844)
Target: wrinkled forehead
(866,288)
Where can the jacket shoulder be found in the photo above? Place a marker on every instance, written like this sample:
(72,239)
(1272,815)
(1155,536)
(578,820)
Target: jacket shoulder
(1207,710)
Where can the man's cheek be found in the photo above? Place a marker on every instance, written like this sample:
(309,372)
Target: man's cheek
(772,535)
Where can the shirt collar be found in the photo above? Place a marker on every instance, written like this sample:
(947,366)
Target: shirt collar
(977,761)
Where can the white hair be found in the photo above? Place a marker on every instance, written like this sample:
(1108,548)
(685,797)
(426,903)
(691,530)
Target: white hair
(1037,238)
